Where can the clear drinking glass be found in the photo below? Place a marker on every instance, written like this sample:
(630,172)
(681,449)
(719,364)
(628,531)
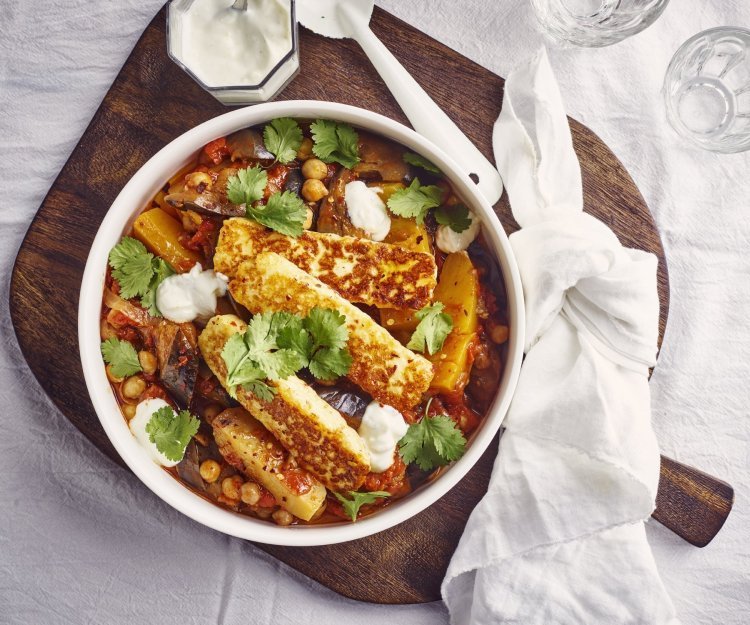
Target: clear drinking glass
(707,90)
(596,23)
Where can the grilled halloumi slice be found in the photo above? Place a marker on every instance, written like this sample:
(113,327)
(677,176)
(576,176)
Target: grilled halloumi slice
(307,426)
(252,449)
(381,366)
(361,271)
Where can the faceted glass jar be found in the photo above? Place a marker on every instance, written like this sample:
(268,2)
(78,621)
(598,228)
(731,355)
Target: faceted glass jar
(267,89)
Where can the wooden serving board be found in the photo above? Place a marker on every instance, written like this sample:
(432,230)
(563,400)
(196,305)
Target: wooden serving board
(150,103)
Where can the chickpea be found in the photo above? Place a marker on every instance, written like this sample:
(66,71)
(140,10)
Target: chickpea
(263,513)
(305,149)
(313,190)
(250,493)
(282,517)
(482,358)
(210,470)
(309,219)
(148,361)
(133,387)
(210,411)
(230,487)
(198,178)
(128,411)
(499,334)
(111,376)
(315,168)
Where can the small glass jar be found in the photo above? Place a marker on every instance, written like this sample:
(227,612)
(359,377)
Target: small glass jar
(266,88)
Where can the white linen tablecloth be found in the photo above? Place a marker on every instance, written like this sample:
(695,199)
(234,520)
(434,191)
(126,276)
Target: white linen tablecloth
(82,541)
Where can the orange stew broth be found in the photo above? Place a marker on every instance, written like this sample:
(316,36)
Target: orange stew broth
(467,405)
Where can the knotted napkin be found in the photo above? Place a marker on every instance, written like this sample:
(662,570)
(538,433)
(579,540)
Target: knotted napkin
(559,537)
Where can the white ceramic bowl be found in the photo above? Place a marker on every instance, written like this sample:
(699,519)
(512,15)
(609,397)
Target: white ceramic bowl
(138,192)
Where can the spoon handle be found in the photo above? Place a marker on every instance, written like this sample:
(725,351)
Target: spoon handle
(427,118)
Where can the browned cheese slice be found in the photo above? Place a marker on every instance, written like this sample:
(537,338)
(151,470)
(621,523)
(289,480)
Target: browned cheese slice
(381,366)
(360,270)
(314,433)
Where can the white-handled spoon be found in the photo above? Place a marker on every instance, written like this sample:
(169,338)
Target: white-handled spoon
(350,19)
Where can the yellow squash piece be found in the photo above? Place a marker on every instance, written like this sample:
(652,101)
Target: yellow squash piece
(307,426)
(458,290)
(362,271)
(160,233)
(250,448)
(381,365)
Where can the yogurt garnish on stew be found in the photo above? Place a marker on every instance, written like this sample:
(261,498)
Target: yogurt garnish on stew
(381,429)
(143,413)
(449,241)
(226,47)
(185,297)
(366,209)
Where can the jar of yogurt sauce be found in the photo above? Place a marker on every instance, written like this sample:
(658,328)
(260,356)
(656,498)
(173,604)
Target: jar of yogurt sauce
(239,57)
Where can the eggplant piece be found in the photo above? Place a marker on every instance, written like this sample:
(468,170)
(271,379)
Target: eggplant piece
(294,181)
(177,355)
(380,160)
(189,467)
(248,144)
(348,399)
(208,201)
(332,214)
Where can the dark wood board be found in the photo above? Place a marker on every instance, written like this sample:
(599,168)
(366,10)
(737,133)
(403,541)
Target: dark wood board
(150,103)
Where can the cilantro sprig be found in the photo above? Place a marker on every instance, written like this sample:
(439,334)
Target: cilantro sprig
(433,328)
(420,161)
(283,137)
(357,500)
(121,357)
(284,212)
(432,442)
(255,356)
(456,217)
(171,431)
(138,272)
(335,142)
(415,200)
(277,345)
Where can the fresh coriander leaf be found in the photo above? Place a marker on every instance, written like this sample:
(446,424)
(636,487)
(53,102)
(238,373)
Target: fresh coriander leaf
(247,186)
(415,200)
(420,161)
(432,442)
(329,364)
(327,327)
(433,328)
(455,217)
(261,390)
(291,335)
(284,212)
(283,137)
(121,357)
(280,364)
(132,267)
(171,432)
(352,506)
(334,142)
(162,270)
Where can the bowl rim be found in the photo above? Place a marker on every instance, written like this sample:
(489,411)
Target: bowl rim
(138,191)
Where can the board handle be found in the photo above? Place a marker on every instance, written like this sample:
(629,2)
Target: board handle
(693,504)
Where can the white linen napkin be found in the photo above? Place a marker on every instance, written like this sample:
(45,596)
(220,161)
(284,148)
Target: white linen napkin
(559,537)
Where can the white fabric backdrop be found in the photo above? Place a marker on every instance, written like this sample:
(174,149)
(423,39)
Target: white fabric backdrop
(82,541)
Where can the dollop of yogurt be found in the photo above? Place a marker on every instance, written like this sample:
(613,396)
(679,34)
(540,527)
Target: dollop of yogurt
(449,241)
(366,209)
(381,429)
(185,297)
(143,413)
